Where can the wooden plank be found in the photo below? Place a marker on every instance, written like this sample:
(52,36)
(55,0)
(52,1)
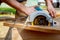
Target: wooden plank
(34,28)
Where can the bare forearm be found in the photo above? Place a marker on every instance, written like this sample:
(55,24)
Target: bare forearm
(20,7)
(48,2)
(50,8)
(16,5)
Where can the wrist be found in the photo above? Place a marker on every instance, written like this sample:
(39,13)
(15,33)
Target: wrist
(48,2)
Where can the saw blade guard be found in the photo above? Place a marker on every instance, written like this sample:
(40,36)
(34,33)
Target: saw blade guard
(40,18)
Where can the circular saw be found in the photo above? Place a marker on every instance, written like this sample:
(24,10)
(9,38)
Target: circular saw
(38,17)
(41,17)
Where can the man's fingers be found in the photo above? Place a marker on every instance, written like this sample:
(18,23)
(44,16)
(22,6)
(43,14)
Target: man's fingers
(54,14)
(50,12)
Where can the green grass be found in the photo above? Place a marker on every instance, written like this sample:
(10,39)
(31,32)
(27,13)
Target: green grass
(2,9)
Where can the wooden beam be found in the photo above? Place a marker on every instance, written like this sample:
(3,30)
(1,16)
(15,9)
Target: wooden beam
(34,28)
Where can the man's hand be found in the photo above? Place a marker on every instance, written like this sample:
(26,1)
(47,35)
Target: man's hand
(29,10)
(50,8)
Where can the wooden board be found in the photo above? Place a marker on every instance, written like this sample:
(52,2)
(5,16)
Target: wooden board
(55,29)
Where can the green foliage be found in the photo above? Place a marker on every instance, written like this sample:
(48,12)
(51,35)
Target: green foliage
(11,10)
